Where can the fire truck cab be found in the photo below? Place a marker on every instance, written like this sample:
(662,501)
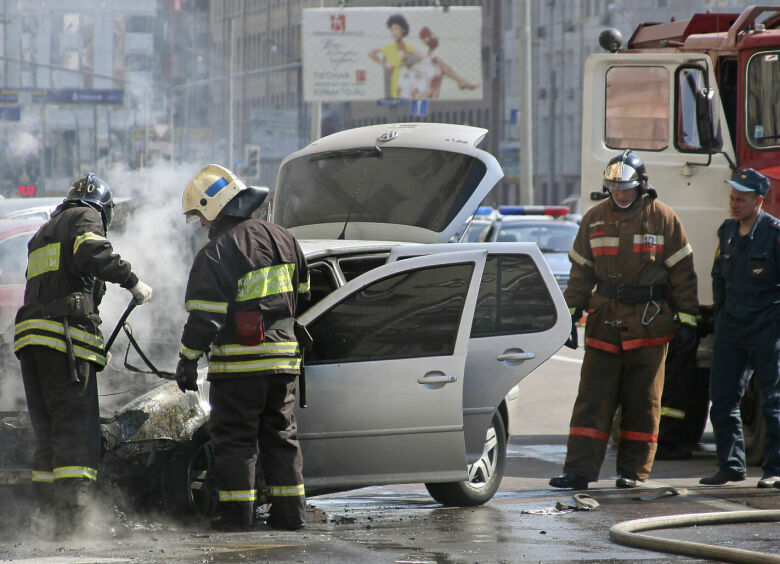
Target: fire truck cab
(695,100)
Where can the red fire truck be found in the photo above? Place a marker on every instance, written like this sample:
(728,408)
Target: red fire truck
(695,100)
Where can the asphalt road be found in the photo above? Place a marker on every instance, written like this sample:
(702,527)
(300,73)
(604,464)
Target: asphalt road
(403,524)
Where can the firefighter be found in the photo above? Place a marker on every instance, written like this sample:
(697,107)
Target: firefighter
(632,270)
(60,346)
(746,293)
(242,295)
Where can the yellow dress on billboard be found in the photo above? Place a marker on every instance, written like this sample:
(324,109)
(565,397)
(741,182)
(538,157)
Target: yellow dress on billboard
(396,59)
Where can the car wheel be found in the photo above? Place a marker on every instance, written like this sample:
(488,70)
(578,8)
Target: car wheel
(753,424)
(484,475)
(185,478)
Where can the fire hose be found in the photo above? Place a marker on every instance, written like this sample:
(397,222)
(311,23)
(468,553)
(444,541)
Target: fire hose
(626,533)
(122,324)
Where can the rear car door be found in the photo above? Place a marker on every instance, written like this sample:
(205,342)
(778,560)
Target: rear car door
(520,320)
(384,380)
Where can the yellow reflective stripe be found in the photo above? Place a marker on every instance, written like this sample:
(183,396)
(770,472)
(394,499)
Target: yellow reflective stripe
(75,472)
(42,260)
(59,328)
(256,365)
(579,259)
(238,495)
(192,354)
(687,318)
(280,347)
(59,345)
(43,476)
(678,256)
(267,281)
(286,491)
(596,223)
(673,413)
(304,287)
(203,305)
(89,236)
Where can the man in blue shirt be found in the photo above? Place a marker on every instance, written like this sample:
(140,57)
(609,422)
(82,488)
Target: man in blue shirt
(746,292)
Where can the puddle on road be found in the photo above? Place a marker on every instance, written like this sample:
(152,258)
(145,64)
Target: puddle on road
(547,453)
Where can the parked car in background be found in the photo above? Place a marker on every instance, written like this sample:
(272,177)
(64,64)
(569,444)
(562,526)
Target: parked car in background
(546,226)
(28,208)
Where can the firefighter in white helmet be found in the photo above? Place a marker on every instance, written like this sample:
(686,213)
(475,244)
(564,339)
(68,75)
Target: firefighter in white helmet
(242,295)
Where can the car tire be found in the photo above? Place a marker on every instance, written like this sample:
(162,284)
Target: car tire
(753,423)
(484,475)
(185,478)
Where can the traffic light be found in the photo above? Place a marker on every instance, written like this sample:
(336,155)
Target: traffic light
(252,159)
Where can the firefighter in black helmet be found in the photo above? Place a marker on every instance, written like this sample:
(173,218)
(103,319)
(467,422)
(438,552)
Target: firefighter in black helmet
(242,296)
(60,346)
(632,271)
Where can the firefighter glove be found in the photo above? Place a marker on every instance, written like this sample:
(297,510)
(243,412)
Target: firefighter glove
(141,292)
(685,338)
(573,341)
(187,374)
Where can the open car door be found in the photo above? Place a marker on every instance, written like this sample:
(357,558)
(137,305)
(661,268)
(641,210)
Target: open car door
(385,378)
(521,320)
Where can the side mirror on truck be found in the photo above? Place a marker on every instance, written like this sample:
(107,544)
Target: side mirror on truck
(709,133)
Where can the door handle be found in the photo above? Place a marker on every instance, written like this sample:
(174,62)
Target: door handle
(516,356)
(437,378)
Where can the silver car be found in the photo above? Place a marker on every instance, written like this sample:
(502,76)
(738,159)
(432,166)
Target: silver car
(417,343)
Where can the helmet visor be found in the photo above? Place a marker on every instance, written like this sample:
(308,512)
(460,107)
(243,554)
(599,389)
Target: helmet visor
(191,216)
(620,176)
(108,211)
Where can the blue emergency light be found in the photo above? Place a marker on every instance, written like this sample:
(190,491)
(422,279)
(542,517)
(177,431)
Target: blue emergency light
(484,210)
(533,210)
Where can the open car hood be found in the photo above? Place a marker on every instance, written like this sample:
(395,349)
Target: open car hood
(415,182)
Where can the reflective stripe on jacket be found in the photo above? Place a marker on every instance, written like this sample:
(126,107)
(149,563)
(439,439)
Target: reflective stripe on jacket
(69,254)
(249,265)
(640,246)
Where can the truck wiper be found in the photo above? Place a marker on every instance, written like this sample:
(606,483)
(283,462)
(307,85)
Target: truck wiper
(374,151)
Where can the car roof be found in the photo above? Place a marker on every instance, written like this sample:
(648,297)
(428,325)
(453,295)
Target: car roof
(9,227)
(12,206)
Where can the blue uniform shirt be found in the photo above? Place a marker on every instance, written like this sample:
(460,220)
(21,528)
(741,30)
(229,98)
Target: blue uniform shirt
(746,271)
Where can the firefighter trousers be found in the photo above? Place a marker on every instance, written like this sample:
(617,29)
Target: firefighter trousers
(245,413)
(633,380)
(66,423)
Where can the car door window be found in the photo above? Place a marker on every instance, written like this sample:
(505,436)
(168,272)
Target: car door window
(513,298)
(412,314)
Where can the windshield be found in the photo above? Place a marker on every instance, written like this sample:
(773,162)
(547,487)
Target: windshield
(550,238)
(419,187)
(763,103)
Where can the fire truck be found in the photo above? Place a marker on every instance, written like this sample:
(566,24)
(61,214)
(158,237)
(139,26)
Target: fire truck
(696,100)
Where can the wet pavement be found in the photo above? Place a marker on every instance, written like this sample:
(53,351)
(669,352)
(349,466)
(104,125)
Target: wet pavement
(401,523)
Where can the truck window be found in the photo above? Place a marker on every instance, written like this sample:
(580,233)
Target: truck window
(763,103)
(637,112)
(689,80)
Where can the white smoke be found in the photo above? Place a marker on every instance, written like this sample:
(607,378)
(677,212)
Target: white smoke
(149,231)
(22,144)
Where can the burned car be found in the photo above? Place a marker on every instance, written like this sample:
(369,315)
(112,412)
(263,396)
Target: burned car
(417,342)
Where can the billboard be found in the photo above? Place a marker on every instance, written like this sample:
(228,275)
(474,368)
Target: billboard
(402,53)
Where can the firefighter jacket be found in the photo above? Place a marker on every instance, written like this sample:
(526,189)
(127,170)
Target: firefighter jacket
(242,294)
(620,256)
(69,261)
(746,271)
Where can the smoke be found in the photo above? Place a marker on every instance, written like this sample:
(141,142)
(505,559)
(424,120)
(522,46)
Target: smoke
(22,144)
(149,231)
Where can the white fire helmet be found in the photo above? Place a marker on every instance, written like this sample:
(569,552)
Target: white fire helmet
(209,191)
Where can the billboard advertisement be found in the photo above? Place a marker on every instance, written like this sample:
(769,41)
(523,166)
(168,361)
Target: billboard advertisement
(402,53)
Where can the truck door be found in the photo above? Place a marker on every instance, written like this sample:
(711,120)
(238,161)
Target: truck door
(647,102)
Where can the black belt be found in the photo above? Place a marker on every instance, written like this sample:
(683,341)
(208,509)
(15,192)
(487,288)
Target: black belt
(631,294)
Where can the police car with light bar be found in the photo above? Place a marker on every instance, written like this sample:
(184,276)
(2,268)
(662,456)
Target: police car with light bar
(546,226)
